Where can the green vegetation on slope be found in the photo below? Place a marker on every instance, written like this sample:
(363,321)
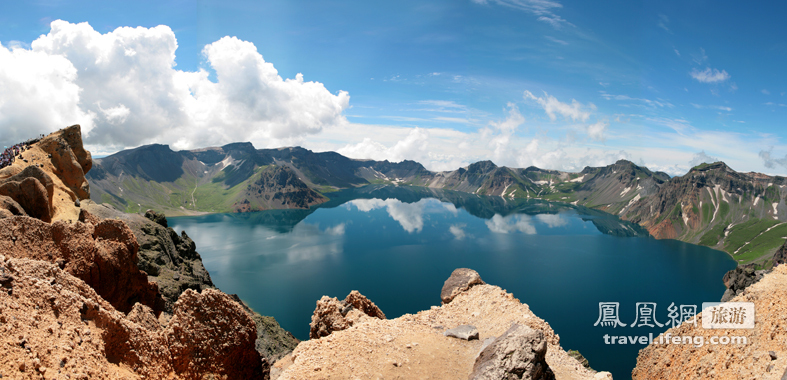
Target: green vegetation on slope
(713,237)
(764,244)
(746,232)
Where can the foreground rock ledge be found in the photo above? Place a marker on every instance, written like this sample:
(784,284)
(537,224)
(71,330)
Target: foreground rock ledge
(413,346)
(752,360)
(53,325)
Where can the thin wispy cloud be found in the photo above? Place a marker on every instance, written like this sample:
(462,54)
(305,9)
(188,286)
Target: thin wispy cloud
(650,103)
(541,8)
(709,75)
(663,22)
(720,108)
(700,58)
(555,40)
(575,111)
(451,119)
(442,103)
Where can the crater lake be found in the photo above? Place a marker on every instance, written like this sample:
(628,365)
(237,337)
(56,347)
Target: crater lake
(397,245)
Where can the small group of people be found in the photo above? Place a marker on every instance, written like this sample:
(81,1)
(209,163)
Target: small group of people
(10,153)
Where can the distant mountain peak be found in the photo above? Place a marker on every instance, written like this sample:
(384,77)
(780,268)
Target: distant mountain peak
(239,146)
(481,166)
(718,165)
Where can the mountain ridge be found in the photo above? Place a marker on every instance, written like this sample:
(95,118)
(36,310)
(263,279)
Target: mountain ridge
(712,204)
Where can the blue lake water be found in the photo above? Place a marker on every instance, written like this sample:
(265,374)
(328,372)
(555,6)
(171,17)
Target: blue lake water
(397,245)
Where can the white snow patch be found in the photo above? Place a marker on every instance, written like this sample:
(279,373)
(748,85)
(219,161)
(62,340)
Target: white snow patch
(626,190)
(575,202)
(225,162)
(631,202)
(715,204)
(503,194)
(541,182)
(578,179)
(723,194)
(756,200)
(727,231)
(685,217)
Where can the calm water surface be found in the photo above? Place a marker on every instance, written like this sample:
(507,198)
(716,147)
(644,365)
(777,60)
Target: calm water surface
(396,245)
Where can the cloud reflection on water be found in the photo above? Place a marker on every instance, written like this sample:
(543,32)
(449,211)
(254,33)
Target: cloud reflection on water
(511,223)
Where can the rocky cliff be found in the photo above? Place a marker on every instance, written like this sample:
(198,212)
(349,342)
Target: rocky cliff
(103,294)
(763,354)
(47,179)
(481,332)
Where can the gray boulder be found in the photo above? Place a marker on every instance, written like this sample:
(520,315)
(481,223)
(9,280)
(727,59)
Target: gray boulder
(466,332)
(520,353)
(740,278)
(460,281)
(156,217)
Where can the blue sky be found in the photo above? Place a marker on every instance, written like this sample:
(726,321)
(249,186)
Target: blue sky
(555,84)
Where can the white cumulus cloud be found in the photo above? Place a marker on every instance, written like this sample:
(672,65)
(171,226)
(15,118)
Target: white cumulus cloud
(413,146)
(124,88)
(597,130)
(38,94)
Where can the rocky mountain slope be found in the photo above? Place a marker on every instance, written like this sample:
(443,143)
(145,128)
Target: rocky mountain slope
(479,332)
(110,295)
(743,214)
(763,355)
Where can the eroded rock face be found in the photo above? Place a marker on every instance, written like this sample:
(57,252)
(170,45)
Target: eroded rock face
(739,279)
(69,159)
(333,315)
(103,255)
(520,353)
(31,190)
(365,305)
(53,324)
(171,260)
(211,333)
(461,280)
(156,217)
(739,359)
(780,257)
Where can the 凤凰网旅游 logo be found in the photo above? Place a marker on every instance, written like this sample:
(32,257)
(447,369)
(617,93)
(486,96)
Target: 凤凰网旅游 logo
(645,315)
(728,315)
(715,315)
